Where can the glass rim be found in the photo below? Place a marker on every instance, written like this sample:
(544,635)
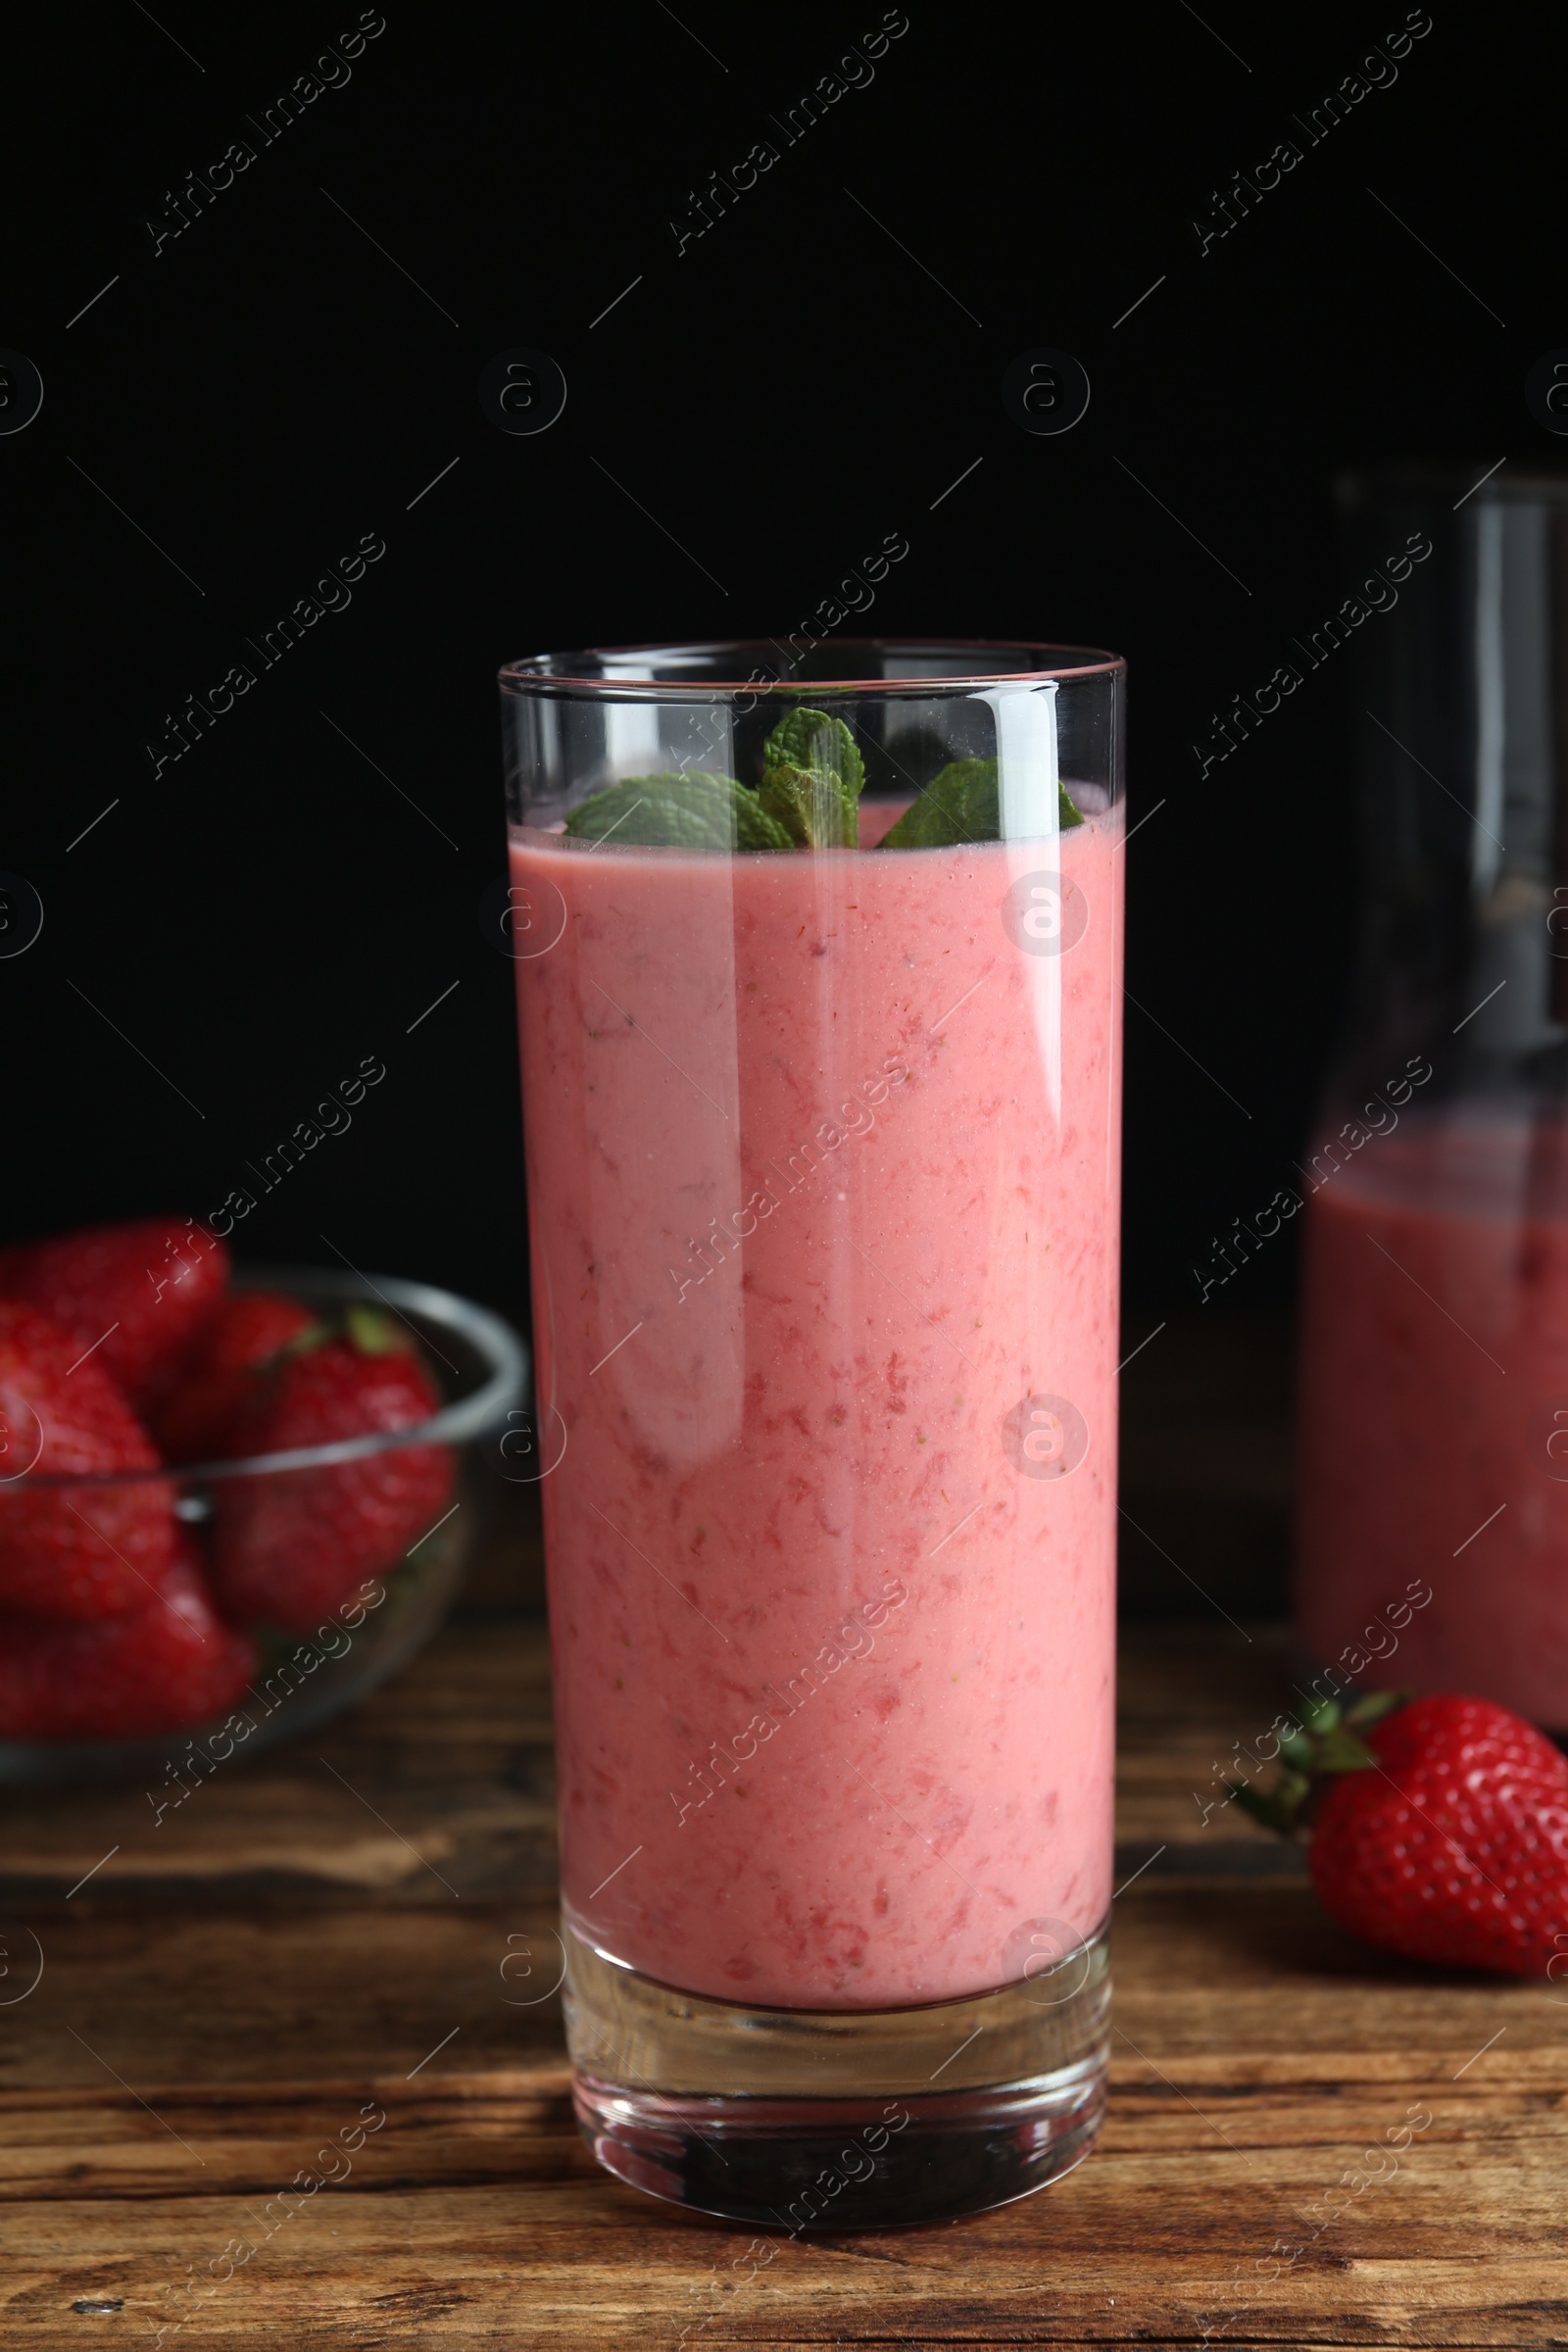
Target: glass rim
(492,1339)
(558,673)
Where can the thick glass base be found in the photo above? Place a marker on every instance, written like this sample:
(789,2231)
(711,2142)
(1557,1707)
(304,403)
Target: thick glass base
(815,2120)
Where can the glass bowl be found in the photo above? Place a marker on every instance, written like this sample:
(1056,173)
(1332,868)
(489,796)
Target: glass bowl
(302,1678)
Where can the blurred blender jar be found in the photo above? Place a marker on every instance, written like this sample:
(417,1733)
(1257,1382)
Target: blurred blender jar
(1431,1538)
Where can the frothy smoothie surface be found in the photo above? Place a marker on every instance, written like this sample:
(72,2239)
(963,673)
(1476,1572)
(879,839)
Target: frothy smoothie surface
(824,1179)
(1434,1408)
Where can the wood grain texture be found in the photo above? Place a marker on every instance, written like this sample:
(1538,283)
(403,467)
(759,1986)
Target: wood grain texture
(233,1989)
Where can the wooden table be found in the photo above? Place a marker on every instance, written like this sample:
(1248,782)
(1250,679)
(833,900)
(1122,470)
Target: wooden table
(288,1957)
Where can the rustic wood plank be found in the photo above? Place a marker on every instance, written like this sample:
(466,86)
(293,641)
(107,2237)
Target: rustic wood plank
(448,1765)
(579,2260)
(222,2001)
(1259,2055)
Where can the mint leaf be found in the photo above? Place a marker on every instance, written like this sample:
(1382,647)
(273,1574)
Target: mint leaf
(963,805)
(959,805)
(696,810)
(809,802)
(810,739)
(813,776)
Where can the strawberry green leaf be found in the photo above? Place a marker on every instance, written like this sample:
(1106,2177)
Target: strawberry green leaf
(1316,1751)
(371,1333)
(1372,1708)
(1341,1751)
(306,1341)
(1278,1808)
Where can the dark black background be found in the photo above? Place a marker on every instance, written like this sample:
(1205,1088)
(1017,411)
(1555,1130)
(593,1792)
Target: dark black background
(784,393)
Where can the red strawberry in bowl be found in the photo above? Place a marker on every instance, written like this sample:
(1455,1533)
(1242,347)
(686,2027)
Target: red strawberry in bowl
(1440,1830)
(166,1665)
(83,1551)
(248,1331)
(289,1545)
(136,1294)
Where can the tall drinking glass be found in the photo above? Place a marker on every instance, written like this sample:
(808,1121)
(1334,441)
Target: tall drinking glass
(818,986)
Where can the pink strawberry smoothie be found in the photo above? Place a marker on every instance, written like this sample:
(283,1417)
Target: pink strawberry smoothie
(1434,1408)
(823,1177)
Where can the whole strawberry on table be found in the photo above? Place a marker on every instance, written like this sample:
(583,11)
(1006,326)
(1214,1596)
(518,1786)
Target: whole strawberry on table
(124,1350)
(1439,1827)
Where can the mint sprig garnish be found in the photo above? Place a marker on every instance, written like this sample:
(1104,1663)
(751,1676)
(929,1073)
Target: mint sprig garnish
(809,798)
(813,776)
(963,805)
(697,810)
